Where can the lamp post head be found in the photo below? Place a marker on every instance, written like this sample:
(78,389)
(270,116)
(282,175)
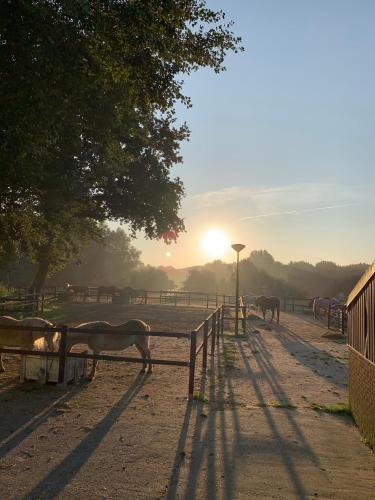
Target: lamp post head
(238,247)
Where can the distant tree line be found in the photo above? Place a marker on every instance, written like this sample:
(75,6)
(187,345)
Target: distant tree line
(260,273)
(111,260)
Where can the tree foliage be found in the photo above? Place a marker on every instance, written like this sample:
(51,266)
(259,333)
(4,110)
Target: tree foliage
(260,273)
(88,129)
(150,278)
(201,280)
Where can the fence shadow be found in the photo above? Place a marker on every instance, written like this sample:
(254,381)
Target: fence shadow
(307,354)
(284,447)
(56,480)
(204,430)
(31,405)
(220,446)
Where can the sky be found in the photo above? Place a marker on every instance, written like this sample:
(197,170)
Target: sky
(282,147)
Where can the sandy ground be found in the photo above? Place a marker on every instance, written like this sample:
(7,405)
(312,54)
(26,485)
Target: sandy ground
(252,434)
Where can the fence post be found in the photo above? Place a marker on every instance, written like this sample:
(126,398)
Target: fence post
(205,345)
(42,308)
(62,354)
(224,299)
(193,348)
(216,301)
(175,299)
(222,320)
(207,302)
(329,317)
(244,315)
(213,334)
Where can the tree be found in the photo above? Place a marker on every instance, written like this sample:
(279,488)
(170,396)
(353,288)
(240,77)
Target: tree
(88,129)
(109,261)
(151,278)
(200,280)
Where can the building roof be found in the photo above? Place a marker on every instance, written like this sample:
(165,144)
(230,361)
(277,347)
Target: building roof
(365,278)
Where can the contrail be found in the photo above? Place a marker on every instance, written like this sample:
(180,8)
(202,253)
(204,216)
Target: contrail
(296,212)
(269,215)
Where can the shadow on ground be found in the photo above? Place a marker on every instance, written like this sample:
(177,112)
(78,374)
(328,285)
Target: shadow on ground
(56,480)
(216,436)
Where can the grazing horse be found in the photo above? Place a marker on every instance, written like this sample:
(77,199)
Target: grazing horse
(25,339)
(323,304)
(270,303)
(109,338)
(107,290)
(78,290)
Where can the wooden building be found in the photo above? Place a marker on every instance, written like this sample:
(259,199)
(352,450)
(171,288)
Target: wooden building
(361,339)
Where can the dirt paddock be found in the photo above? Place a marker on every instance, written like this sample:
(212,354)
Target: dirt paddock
(251,432)
(50,436)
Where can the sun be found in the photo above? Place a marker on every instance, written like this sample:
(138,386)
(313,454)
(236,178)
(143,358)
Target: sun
(215,243)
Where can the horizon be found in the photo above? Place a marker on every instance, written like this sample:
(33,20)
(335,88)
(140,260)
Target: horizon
(276,260)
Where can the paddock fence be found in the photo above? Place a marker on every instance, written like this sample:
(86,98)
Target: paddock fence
(28,305)
(201,339)
(336,317)
(154,297)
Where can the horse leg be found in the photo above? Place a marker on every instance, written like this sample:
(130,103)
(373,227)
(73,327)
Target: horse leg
(51,345)
(95,362)
(150,367)
(144,356)
(273,314)
(2,369)
(278,314)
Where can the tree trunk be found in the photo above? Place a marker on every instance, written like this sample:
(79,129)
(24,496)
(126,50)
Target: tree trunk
(41,275)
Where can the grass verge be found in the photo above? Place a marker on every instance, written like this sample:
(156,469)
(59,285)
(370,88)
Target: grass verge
(336,409)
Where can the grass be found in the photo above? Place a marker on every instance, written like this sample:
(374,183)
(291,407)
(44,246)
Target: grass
(229,355)
(198,396)
(335,409)
(58,310)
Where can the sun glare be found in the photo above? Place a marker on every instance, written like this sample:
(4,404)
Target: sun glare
(215,243)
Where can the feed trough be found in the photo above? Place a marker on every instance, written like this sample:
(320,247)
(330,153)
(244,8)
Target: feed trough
(45,369)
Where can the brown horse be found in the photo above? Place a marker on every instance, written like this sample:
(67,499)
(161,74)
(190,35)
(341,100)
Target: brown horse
(270,303)
(107,290)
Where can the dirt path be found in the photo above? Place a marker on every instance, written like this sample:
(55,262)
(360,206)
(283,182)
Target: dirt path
(252,435)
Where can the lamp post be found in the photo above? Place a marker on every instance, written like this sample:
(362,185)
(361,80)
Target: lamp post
(237,247)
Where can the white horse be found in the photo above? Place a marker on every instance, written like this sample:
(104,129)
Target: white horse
(322,304)
(109,338)
(25,339)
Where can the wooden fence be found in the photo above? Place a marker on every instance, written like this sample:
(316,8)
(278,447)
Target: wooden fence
(29,305)
(361,340)
(207,332)
(361,316)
